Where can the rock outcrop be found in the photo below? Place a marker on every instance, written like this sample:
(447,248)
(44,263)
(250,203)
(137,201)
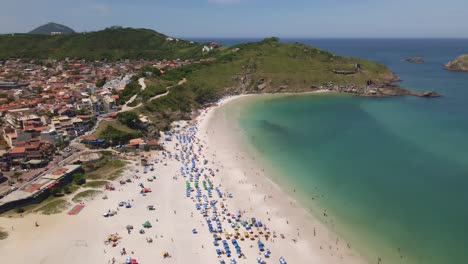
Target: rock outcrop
(414,60)
(384,90)
(458,64)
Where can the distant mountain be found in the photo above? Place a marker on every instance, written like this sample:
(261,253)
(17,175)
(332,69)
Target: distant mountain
(112,43)
(52,29)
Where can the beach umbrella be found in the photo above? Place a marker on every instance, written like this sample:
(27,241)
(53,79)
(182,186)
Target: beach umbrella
(147,224)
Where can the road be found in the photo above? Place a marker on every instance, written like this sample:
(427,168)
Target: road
(125,107)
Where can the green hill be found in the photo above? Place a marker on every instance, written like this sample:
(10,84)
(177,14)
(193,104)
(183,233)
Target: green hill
(263,67)
(51,28)
(111,44)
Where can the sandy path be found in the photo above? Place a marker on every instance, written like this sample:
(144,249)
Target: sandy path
(125,107)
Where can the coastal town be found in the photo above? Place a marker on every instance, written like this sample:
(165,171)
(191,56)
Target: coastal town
(47,107)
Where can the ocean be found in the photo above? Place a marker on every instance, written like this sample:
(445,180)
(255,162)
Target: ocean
(390,175)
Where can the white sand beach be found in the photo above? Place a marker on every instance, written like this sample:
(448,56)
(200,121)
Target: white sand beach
(62,238)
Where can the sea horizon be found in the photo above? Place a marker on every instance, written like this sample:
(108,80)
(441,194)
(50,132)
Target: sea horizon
(238,40)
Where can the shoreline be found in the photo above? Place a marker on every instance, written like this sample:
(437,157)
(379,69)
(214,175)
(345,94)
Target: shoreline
(320,240)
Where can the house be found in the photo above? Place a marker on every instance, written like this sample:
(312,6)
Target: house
(136,143)
(207,49)
(153,144)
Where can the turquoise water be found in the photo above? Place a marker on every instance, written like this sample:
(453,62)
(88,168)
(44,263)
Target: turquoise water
(391,173)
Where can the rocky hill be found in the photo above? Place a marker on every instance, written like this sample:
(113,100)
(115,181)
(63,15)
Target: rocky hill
(458,64)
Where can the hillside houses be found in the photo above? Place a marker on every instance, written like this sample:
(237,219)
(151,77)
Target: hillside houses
(45,104)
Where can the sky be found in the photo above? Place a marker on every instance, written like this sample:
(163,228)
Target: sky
(248,18)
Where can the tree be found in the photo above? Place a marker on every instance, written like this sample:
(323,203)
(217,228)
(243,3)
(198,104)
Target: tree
(67,190)
(56,191)
(79,179)
(16,175)
(82,111)
(115,136)
(38,89)
(130,119)
(101,82)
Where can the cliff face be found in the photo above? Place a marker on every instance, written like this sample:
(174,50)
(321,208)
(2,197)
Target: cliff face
(458,64)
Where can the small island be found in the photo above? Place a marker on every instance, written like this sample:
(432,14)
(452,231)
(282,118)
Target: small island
(414,60)
(458,64)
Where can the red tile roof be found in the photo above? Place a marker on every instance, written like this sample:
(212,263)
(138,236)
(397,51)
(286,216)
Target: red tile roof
(17,150)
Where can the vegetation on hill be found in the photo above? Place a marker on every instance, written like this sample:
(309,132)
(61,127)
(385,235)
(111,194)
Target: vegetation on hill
(50,28)
(104,168)
(53,207)
(132,88)
(109,44)
(3,234)
(117,137)
(263,67)
(86,196)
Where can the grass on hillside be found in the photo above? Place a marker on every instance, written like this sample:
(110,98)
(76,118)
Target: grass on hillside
(155,86)
(132,88)
(135,102)
(86,195)
(73,187)
(95,184)
(104,168)
(54,207)
(103,124)
(3,234)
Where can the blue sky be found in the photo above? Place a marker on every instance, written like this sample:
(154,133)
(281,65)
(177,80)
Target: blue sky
(248,18)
